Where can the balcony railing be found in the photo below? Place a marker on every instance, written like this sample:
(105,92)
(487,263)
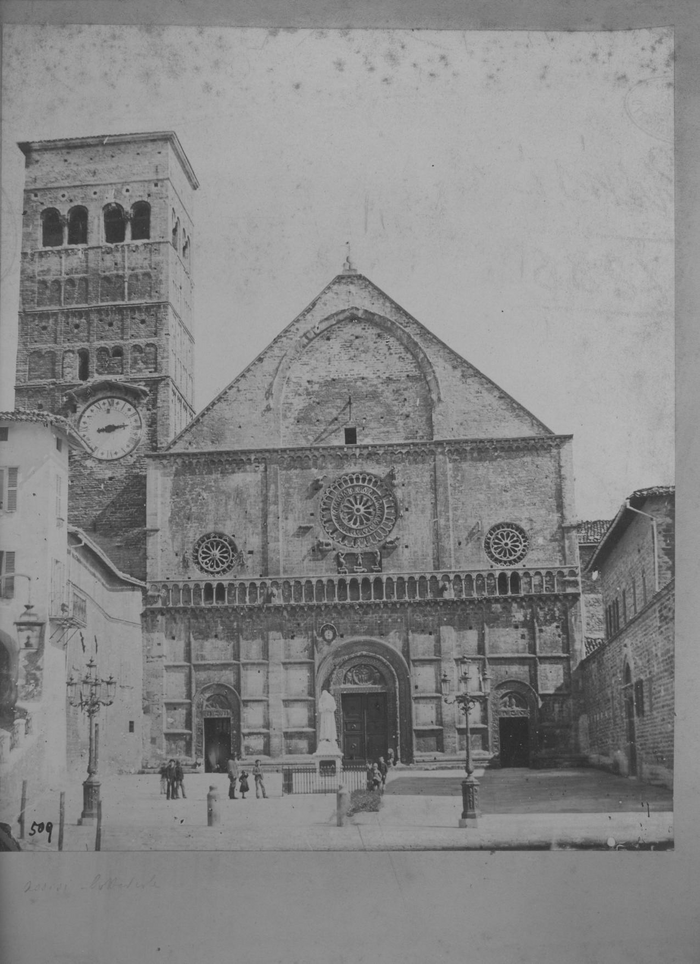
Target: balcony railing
(411,587)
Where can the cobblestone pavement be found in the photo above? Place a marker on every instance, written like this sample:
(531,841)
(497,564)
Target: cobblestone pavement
(521,809)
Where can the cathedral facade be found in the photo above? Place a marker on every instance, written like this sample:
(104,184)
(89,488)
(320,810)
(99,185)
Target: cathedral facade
(360,510)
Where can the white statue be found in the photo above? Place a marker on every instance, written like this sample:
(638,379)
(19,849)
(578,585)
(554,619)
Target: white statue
(326,709)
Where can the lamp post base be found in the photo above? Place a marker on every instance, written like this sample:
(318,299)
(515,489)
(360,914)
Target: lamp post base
(91,798)
(470,802)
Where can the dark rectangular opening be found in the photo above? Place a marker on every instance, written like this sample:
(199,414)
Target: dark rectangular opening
(351,436)
(4,434)
(131,726)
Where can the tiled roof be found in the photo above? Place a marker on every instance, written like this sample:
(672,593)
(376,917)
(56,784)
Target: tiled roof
(592,531)
(654,490)
(43,418)
(618,525)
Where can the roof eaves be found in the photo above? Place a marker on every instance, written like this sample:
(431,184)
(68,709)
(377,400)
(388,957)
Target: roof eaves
(103,557)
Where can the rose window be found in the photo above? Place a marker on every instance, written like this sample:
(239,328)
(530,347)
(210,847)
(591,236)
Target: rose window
(215,553)
(506,544)
(358,510)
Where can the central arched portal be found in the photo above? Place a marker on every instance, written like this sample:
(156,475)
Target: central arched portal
(369,682)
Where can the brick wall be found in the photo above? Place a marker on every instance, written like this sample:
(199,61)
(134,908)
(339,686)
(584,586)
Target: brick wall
(646,644)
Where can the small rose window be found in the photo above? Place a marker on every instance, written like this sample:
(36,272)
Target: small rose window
(506,544)
(215,553)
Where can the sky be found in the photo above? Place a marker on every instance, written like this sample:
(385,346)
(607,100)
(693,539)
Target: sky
(513,191)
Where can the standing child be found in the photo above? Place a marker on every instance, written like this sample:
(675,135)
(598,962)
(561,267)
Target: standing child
(164,778)
(243,783)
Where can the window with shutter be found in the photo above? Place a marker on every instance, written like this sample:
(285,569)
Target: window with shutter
(12,489)
(7,580)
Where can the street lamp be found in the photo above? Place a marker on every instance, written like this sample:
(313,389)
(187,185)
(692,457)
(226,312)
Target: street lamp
(29,628)
(89,693)
(466,700)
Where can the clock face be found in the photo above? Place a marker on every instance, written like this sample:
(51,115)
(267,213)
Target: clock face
(112,427)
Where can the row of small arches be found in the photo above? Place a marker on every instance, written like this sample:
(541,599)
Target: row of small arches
(77,365)
(115,219)
(364,590)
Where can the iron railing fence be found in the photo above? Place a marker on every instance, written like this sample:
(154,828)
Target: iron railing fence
(307,779)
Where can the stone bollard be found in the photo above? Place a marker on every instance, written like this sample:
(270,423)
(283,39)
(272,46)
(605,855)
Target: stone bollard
(213,813)
(343,805)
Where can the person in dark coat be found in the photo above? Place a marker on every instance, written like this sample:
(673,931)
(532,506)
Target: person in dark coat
(179,779)
(383,769)
(171,793)
(243,783)
(232,768)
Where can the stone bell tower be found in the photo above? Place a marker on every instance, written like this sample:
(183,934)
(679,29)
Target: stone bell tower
(105,324)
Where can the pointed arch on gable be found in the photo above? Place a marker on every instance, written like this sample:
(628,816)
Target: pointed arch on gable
(361,314)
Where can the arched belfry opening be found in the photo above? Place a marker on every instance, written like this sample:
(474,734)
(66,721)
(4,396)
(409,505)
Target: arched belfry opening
(369,681)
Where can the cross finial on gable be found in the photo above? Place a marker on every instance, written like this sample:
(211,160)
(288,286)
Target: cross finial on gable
(348,266)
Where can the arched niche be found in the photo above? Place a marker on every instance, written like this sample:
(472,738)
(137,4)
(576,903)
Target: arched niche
(357,370)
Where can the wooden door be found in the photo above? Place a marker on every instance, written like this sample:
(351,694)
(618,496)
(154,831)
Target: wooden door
(365,726)
(515,738)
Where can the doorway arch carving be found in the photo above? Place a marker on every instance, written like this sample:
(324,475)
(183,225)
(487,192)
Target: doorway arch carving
(369,666)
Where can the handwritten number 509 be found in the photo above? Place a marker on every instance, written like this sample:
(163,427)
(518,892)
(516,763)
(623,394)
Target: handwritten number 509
(40,828)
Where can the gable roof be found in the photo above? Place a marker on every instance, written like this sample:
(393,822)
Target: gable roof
(349,292)
(622,520)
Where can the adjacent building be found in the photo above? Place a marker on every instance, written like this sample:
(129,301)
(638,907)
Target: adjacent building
(60,600)
(627,675)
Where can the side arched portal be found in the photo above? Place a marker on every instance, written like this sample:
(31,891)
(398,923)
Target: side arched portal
(514,717)
(370,684)
(217,725)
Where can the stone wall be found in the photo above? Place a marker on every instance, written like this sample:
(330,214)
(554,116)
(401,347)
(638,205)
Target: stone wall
(271,506)
(646,644)
(276,659)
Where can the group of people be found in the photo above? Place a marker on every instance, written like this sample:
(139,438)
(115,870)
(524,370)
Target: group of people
(376,773)
(172,779)
(240,776)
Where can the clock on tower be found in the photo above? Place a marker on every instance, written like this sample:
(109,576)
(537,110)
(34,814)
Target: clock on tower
(112,427)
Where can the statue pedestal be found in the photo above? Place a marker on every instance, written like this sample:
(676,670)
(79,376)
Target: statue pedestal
(329,760)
